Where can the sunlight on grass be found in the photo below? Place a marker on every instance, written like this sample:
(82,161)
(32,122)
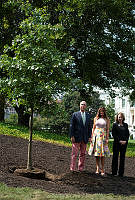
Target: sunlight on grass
(23,132)
(64,140)
(90,197)
(10,193)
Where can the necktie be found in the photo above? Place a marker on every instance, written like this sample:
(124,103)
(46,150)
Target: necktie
(83,118)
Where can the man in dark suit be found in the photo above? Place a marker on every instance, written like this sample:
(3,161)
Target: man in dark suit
(80,134)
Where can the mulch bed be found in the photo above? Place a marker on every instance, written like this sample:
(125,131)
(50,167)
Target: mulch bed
(55,160)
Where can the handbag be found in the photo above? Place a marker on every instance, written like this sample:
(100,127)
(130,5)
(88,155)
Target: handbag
(106,150)
(91,147)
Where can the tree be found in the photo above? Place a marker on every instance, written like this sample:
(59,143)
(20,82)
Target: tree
(111,113)
(59,121)
(103,38)
(72,101)
(2,103)
(23,114)
(101,32)
(11,15)
(36,72)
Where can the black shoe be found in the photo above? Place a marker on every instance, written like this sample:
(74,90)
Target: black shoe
(114,174)
(120,175)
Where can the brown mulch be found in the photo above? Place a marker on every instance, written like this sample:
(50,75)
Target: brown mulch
(55,160)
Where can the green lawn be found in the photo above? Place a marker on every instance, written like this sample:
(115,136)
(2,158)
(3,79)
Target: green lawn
(8,129)
(10,193)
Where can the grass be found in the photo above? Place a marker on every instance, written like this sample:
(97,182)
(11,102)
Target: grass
(10,193)
(23,132)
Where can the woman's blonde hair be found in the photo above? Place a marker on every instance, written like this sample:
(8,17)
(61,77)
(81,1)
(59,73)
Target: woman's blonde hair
(120,113)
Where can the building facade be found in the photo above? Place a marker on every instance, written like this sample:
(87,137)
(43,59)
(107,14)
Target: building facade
(124,105)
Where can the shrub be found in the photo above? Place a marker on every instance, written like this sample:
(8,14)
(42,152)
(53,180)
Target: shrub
(40,123)
(131,137)
(13,119)
(58,126)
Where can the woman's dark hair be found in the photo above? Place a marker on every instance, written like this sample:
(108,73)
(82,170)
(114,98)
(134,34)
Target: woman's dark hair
(120,113)
(101,109)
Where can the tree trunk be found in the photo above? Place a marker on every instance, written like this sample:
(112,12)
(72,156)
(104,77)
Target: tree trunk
(2,104)
(29,162)
(23,118)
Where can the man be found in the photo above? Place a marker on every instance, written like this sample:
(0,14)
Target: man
(80,134)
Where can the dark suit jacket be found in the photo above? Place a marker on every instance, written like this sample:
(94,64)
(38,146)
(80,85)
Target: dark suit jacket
(78,130)
(120,133)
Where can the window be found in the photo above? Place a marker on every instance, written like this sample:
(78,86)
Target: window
(123,103)
(132,119)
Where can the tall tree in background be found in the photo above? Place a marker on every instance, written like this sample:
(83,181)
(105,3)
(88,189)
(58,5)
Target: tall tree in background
(101,32)
(103,37)
(59,120)
(11,15)
(111,113)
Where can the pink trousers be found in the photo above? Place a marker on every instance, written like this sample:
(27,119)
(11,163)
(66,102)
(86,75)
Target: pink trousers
(75,148)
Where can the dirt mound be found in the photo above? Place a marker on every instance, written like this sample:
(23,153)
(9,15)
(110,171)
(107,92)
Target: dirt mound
(53,162)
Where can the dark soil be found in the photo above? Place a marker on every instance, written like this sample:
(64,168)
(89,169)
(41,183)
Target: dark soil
(55,160)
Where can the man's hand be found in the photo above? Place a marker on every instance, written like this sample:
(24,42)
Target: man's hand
(73,139)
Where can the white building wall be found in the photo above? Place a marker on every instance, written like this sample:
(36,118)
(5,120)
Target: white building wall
(122,104)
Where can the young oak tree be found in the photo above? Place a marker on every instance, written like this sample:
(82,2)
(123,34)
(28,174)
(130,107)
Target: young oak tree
(36,72)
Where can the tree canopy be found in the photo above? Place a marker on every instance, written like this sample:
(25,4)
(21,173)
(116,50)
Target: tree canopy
(103,37)
(36,71)
(99,35)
